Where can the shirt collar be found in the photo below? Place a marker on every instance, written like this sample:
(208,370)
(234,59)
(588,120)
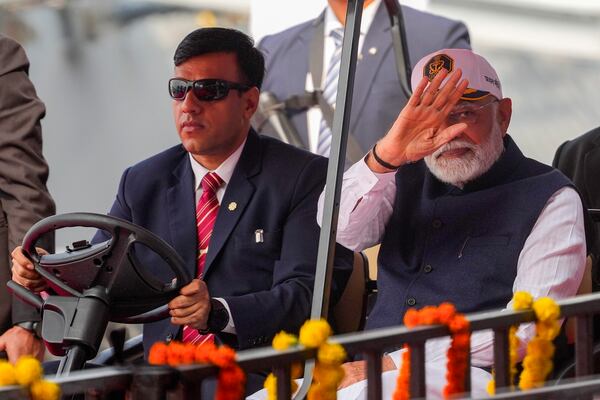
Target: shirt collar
(331,21)
(225,170)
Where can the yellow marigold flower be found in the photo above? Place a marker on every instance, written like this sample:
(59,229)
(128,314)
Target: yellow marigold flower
(546,309)
(547,330)
(328,375)
(491,387)
(28,370)
(283,341)
(44,390)
(331,353)
(7,374)
(541,347)
(314,332)
(522,301)
(271,386)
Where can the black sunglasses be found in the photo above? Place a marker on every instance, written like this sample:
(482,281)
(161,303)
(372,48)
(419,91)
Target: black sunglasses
(204,89)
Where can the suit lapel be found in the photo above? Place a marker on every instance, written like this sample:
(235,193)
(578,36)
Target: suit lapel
(182,214)
(237,196)
(377,38)
(299,67)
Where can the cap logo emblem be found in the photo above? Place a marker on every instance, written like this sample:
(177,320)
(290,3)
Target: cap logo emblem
(435,65)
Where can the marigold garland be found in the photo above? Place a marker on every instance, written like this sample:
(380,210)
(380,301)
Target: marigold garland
(456,371)
(328,372)
(537,363)
(231,379)
(28,372)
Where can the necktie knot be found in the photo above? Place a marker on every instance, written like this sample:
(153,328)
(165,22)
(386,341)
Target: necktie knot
(211,182)
(338,35)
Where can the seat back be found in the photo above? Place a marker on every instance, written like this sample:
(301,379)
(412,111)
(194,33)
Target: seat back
(349,314)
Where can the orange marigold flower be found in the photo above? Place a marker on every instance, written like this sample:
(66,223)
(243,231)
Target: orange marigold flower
(411,318)
(446,312)
(459,324)
(428,315)
(203,352)
(158,354)
(223,357)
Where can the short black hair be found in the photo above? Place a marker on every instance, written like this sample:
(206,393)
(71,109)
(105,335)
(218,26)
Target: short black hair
(250,60)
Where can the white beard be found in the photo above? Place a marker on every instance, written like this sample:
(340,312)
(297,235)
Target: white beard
(459,171)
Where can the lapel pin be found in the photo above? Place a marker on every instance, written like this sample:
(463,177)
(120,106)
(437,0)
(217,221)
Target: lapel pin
(258,235)
(373,50)
(232,206)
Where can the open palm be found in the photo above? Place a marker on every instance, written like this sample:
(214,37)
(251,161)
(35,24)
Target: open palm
(420,128)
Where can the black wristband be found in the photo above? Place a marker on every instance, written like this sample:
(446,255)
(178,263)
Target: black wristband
(381,162)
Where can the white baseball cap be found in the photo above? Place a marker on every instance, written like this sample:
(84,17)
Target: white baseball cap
(483,79)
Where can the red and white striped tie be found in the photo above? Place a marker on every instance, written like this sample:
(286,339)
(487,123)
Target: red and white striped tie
(206,215)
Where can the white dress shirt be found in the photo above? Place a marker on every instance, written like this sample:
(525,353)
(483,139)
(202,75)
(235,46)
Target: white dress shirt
(314,114)
(225,171)
(551,262)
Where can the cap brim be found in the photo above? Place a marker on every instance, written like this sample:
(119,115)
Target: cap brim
(474,94)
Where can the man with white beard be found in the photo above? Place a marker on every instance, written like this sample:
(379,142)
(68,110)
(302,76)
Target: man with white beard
(461,214)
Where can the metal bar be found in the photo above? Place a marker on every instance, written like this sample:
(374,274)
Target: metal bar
(417,370)
(153,382)
(374,388)
(401,54)
(468,374)
(74,360)
(335,168)
(284,387)
(583,345)
(501,358)
(567,389)
(119,378)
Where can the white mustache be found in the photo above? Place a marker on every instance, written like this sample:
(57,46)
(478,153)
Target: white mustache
(454,144)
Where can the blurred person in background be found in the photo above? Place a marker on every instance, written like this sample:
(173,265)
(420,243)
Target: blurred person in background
(579,159)
(24,197)
(296,55)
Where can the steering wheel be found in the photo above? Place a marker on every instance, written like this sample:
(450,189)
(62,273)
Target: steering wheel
(135,294)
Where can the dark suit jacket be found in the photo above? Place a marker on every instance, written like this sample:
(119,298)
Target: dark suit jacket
(268,286)
(24,197)
(377,98)
(579,159)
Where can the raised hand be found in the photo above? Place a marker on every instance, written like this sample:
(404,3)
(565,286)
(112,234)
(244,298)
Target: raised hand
(421,129)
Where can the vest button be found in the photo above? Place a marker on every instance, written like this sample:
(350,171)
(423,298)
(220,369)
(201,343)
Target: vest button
(437,223)
(427,269)
(411,301)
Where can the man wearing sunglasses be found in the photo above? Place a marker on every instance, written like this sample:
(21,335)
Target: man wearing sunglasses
(239,208)
(461,214)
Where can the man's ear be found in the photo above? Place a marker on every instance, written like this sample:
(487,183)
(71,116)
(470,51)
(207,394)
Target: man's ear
(504,113)
(251,97)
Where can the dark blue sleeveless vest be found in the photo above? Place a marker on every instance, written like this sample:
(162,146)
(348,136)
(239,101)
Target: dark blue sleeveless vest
(447,244)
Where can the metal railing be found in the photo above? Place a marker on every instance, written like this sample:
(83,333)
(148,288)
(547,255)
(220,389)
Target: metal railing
(183,382)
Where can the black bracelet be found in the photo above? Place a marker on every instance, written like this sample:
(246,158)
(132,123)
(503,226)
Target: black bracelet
(381,162)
